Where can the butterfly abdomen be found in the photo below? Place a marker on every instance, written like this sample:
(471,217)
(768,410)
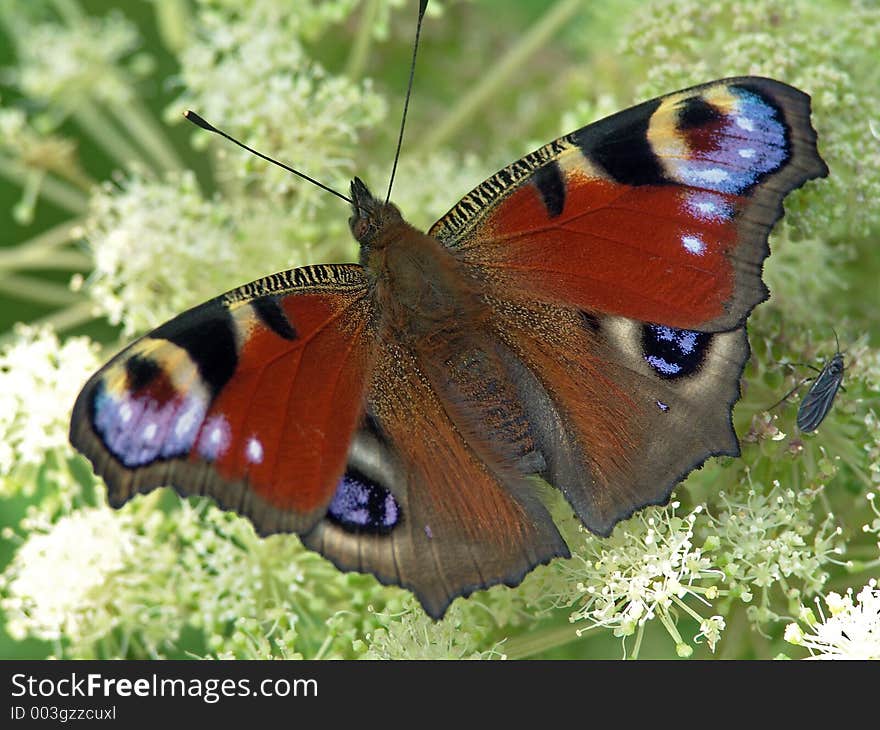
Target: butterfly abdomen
(482,402)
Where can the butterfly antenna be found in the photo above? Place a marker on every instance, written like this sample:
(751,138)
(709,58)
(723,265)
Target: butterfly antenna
(423,4)
(199,122)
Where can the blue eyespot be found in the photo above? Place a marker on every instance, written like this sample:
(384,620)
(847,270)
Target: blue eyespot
(361,505)
(674,353)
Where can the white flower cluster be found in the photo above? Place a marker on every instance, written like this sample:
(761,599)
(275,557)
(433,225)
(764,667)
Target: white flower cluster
(768,539)
(411,634)
(58,582)
(647,569)
(311,16)
(150,241)
(161,247)
(39,380)
(59,63)
(128,583)
(851,630)
(253,78)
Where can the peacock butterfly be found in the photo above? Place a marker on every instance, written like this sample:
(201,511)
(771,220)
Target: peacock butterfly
(579,317)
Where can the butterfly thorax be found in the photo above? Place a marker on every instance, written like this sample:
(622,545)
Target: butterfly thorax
(421,291)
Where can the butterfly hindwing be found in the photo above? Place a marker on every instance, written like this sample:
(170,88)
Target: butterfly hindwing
(659,213)
(424,506)
(621,410)
(250,398)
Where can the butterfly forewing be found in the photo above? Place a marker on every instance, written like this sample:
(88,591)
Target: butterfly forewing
(659,213)
(250,398)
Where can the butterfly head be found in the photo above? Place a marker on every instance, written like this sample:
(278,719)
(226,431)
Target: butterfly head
(370,215)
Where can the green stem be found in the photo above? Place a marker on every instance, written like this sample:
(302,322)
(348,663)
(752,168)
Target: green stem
(45,242)
(526,645)
(59,260)
(497,78)
(34,289)
(856,567)
(357,58)
(174,20)
(687,609)
(24,210)
(144,128)
(737,627)
(101,129)
(69,11)
(323,648)
(63,319)
(640,634)
(58,192)
(41,252)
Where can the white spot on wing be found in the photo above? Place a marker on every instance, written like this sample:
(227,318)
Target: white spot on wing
(125,412)
(747,153)
(254,450)
(215,438)
(189,420)
(712,175)
(707,208)
(694,244)
(150,431)
(745,123)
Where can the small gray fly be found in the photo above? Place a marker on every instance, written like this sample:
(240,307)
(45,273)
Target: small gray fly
(820,397)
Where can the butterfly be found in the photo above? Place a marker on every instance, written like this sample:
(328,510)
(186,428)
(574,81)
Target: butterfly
(578,318)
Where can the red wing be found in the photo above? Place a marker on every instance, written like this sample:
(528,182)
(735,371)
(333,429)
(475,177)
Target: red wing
(251,398)
(659,213)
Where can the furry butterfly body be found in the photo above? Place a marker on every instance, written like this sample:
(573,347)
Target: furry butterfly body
(579,317)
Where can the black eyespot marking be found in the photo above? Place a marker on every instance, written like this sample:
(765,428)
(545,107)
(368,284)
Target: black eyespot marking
(274,317)
(207,333)
(372,426)
(551,187)
(620,145)
(362,505)
(696,112)
(589,321)
(674,353)
(140,371)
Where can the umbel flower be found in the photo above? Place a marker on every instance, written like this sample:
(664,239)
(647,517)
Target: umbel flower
(39,380)
(646,570)
(106,188)
(850,630)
